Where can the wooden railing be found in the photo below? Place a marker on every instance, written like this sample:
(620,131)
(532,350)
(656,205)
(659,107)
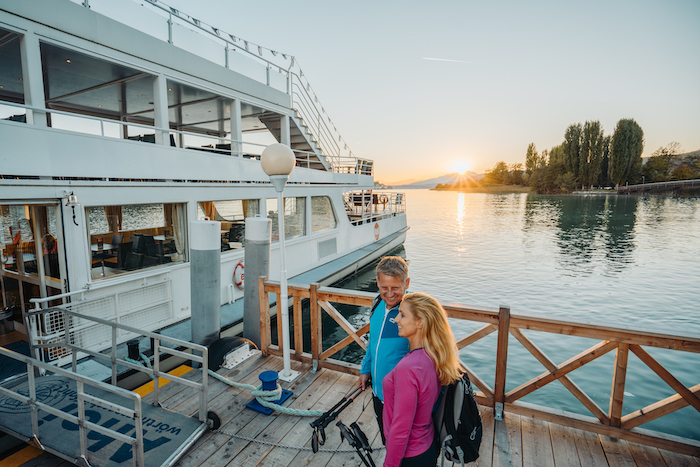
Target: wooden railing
(609,422)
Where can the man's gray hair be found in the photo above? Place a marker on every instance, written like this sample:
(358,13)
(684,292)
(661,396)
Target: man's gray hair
(393,266)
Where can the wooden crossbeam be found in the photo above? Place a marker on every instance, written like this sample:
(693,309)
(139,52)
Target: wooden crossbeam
(654,411)
(345,342)
(664,374)
(478,382)
(340,319)
(565,380)
(476,335)
(567,367)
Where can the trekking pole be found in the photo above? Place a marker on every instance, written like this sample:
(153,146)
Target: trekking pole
(360,444)
(319,425)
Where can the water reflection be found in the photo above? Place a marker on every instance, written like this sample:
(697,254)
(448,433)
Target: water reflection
(591,232)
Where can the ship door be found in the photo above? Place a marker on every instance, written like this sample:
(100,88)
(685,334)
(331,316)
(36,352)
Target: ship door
(33,258)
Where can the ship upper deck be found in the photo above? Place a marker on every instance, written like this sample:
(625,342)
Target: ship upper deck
(67,67)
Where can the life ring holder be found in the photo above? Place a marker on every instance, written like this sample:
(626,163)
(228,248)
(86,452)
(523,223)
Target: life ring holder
(239,275)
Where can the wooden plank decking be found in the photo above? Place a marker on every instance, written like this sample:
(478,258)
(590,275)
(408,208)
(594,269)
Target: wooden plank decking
(516,441)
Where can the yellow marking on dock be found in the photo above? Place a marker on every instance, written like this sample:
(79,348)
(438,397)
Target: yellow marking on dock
(148,387)
(21,456)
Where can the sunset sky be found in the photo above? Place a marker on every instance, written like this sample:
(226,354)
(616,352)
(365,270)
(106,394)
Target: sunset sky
(430,88)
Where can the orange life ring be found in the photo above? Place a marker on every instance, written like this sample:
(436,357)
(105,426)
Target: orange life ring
(239,275)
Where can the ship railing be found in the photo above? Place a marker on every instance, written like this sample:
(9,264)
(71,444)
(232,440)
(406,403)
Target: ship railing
(108,128)
(55,332)
(85,397)
(178,28)
(651,348)
(313,116)
(370,205)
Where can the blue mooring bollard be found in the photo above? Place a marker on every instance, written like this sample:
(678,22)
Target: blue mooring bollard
(269,383)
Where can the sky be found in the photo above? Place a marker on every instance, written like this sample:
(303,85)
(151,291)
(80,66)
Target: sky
(426,89)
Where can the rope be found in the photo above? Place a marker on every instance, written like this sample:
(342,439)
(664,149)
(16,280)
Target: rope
(267,398)
(145,360)
(287,446)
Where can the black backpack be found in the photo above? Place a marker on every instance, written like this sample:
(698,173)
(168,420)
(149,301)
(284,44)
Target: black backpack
(457,422)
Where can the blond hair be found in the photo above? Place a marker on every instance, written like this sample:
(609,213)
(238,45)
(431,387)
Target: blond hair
(438,340)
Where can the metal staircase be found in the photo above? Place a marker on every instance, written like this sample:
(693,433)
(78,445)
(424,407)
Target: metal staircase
(302,141)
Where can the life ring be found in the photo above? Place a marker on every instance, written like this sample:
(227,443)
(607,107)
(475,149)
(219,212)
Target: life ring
(239,275)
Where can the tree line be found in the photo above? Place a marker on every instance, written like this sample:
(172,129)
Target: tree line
(587,158)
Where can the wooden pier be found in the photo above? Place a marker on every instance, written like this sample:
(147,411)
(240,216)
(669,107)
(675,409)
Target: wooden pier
(248,438)
(527,435)
(657,186)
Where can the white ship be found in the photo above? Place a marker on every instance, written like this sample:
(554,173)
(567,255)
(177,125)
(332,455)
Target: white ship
(122,122)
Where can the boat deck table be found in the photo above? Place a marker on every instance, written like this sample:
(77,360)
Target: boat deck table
(95,248)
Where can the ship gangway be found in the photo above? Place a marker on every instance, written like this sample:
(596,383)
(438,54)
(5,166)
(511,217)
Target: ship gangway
(515,433)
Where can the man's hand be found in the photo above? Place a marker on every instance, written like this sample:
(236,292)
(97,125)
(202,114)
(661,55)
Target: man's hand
(363,381)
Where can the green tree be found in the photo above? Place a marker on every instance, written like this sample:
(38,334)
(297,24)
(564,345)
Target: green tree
(515,176)
(591,154)
(603,178)
(498,175)
(572,149)
(657,169)
(531,158)
(626,152)
(552,179)
(556,154)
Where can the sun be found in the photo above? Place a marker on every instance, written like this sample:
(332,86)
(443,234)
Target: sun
(460,166)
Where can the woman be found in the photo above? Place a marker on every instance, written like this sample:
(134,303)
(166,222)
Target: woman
(412,387)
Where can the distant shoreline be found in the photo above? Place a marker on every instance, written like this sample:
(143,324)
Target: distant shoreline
(487,189)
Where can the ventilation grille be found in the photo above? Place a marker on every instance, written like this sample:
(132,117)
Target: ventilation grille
(143,308)
(327,248)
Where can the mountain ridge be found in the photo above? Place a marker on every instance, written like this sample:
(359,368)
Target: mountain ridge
(450,179)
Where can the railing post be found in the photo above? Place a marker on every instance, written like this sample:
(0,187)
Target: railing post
(316,331)
(617,391)
(501,360)
(264,316)
(298,330)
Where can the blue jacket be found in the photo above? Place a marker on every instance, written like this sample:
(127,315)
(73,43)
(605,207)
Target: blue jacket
(385,348)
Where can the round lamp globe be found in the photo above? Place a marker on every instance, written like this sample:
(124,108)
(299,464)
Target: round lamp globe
(277,159)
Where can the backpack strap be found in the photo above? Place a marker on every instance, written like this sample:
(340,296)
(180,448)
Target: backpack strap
(375,303)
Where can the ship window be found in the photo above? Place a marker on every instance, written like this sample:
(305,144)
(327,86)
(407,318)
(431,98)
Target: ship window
(11,79)
(294,217)
(231,214)
(322,215)
(133,237)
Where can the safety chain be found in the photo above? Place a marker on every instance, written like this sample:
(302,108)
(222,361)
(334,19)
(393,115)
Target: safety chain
(267,398)
(287,446)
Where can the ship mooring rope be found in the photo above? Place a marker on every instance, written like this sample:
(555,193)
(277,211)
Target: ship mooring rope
(267,398)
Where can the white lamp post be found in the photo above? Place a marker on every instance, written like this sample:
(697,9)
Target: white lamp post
(278,161)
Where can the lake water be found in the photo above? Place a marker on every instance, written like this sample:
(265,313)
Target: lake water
(625,261)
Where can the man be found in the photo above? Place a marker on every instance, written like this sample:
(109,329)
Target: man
(385,347)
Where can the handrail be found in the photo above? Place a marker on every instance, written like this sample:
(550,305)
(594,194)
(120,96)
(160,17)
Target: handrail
(362,207)
(195,352)
(610,422)
(82,397)
(657,185)
(338,163)
(40,301)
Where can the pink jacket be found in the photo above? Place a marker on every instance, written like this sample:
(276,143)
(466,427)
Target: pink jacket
(410,392)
